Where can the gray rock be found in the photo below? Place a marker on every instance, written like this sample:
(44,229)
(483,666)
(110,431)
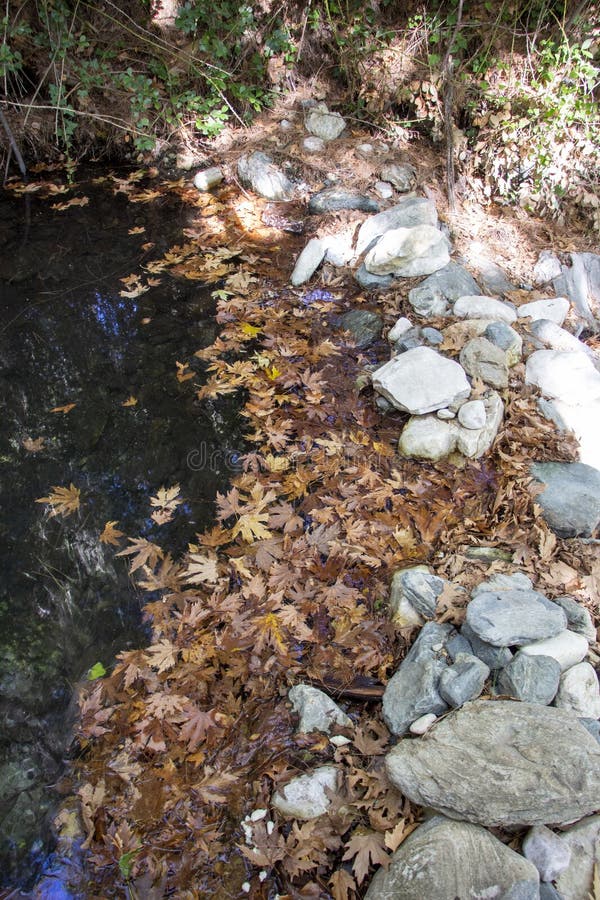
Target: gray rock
(365,327)
(505,337)
(464,680)
(481,307)
(581,284)
(313,144)
(567,648)
(403,176)
(456,644)
(305,797)
(514,617)
(309,261)
(472,414)
(444,860)
(578,617)
(408,252)
(413,691)
(372,282)
(384,189)
(258,172)
(409,340)
(532,679)
(433,336)
(579,692)
(527,765)
(432,296)
(567,376)
(547,851)
(493,657)
(421,381)
(554,310)
(482,359)
(517,581)
(581,421)
(408,213)
(583,839)
(413,595)
(474,443)
(492,277)
(324,124)
(549,892)
(546,268)
(208,178)
(571,500)
(317,711)
(334,198)
(592,726)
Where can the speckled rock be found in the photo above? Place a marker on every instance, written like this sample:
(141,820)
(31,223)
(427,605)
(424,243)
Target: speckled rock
(403,176)
(317,711)
(305,797)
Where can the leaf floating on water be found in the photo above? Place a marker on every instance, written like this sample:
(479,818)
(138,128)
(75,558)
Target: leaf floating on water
(76,201)
(182,372)
(140,229)
(144,553)
(250,330)
(167,500)
(201,569)
(33,446)
(97,671)
(131,401)
(111,535)
(64,409)
(63,500)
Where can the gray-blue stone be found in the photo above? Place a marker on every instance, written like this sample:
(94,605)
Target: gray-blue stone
(458,644)
(367,280)
(593,726)
(332,199)
(432,336)
(364,326)
(571,499)
(464,680)
(493,657)
(532,679)
(514,617)
(578,617)
(430,298)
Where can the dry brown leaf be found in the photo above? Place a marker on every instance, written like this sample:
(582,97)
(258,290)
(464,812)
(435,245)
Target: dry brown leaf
(110,534)
(33,446)
(64,501)
(64,409)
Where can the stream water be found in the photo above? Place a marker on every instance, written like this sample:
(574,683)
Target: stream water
(67,336)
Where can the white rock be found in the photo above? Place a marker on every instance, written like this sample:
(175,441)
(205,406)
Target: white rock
(313,144)
(579,691)
(570,377)
(338,740)
(423,724)
(368,150)
(309,261)
(472,443)
(583,421)
(472,414)
(402,176)
(384,189)
(567,648)
(445,414)
(427,437)
(323,123)
(339,248)
(208,178)
(547,851)
(317,711)
(411,211)
(304,797)
(409,252)
(400,328)
(480,307)
(547,267)
(551,335)
(421,381)
(555,310)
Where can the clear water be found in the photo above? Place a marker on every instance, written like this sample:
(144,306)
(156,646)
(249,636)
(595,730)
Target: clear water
(67,336)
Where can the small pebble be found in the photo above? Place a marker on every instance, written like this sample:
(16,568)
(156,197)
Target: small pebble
(420,726)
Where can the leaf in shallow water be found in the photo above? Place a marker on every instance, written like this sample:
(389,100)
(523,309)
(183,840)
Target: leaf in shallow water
(131,401)
(166,500)
(111,535)
(33,446)
(63,500)
(201,569)
(97,671)
(64,409)
(143,553)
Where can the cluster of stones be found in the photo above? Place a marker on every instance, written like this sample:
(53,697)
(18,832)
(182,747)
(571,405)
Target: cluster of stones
(528,761)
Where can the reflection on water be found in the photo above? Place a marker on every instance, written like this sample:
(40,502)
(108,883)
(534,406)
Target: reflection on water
(67,336)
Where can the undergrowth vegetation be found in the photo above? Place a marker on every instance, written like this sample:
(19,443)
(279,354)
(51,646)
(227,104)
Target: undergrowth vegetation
(515,84)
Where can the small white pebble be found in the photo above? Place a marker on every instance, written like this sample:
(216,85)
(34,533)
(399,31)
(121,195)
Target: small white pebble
(270,827)
(437,647)
(257,815)
(262,875)
(423,724)
(338,740)
(246,887)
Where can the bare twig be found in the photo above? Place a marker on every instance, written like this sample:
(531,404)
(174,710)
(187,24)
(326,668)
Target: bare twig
(13,145)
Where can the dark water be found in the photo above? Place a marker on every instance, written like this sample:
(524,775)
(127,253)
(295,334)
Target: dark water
(66,336)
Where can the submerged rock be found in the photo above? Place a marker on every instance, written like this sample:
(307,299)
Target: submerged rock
(317,711)
(442,859)
(305,797)
(527,765)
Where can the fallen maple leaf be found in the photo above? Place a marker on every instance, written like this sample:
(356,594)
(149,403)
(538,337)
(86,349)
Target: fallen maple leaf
(64,409)
(166,501)
(182,372)
(139,230)
(143,553)
(33,446)
(342,885)
(63,500)
(111,535)
(131,401)
(367,848)
(76,201)
(201,569)
(163,655)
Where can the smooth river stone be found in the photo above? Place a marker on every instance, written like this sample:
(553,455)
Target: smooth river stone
(443,859)
(513,618)
(502,763)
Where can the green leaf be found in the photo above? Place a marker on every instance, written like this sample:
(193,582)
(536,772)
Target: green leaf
(97,671)
(126,863)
